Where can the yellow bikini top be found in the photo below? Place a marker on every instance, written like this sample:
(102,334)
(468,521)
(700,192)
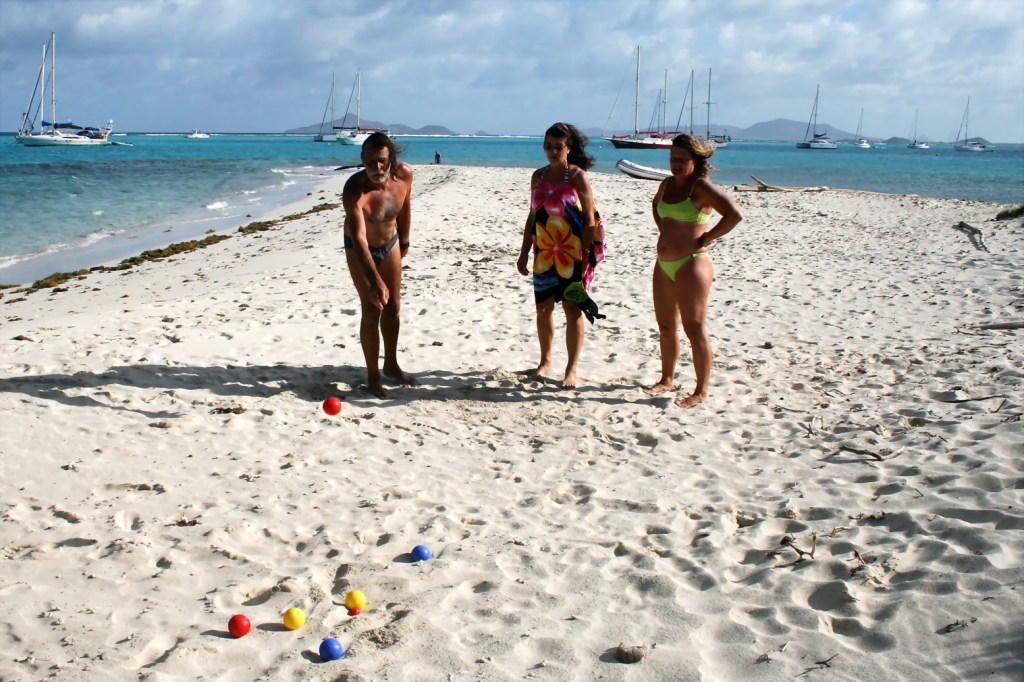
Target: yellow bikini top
(684,211)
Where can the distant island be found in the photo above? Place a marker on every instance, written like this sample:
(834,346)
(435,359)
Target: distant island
(779,130)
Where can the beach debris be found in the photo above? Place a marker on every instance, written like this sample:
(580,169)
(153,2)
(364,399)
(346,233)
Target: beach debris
(239,626)
(818,665)
(421,553)
(632,654)
(956,625)
(802,555)
(973,233)
(22,337)
(331,649)
(763,186)
(968,400)
(1011,213)
(332,406)
(294,618)
(745,519)
(1019,324)
(233,409)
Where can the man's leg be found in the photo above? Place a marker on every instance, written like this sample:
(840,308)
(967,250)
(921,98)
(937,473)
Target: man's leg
(369,328)
(390,270)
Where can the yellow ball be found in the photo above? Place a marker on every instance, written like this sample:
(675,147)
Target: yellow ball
(294,618)
(355,600)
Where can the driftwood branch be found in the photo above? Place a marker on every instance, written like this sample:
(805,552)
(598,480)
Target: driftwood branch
(973,233)
(1001,325)
(763,186)
(970,400)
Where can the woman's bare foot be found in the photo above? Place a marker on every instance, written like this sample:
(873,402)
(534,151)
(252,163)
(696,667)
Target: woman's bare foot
(395,372)
(570,380)
(538,371)
(376,387)
(661,387)
(691,400)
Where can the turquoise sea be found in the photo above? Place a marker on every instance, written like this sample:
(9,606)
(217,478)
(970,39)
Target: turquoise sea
(64,209)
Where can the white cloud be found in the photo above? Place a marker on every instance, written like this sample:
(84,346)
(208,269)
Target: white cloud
(511,66)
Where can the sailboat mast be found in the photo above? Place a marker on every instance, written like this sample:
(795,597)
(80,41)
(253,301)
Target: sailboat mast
(967,114)
(53,81)
(707,131)
(39,90)
(359,94)
(691,101)
(332,100)
(664,105)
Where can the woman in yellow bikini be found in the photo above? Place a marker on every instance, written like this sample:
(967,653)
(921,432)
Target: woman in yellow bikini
(683,274)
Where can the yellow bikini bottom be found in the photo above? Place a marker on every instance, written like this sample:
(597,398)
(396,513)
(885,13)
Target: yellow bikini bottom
(671,267)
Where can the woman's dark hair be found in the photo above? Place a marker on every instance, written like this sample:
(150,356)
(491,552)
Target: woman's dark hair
(379,140)
(577,142)
(701,151)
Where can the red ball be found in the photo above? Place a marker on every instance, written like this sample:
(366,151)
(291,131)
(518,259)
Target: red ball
(354,612)
(239,626)
(332,406)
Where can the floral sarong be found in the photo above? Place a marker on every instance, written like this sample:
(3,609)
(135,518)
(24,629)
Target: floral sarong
(558,255)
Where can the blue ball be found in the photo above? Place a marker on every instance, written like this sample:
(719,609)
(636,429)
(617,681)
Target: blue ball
(331,649)
(420,553)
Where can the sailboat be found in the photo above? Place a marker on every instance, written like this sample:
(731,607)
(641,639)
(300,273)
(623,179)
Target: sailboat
(321,136)
(355,135)
(53,134)
(718,140)
(860,141)
(915,144)
(644,139)
(819,140)
(965,144)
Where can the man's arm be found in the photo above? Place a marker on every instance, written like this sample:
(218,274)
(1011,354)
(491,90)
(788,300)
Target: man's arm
(355,228)
(404,219)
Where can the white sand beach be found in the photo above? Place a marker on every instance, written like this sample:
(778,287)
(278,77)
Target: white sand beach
(846,506)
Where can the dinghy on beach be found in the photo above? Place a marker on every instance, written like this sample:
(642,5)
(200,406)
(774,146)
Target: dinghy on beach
(636,170)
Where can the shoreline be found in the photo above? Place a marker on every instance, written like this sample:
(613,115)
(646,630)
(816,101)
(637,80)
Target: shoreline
(112,249)
(849,493)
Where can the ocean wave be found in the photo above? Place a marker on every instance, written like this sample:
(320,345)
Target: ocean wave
(8,261)
(217,205)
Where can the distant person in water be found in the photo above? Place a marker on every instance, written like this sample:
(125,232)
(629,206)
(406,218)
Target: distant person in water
(437,157)
(566,236)
(682,210)
(378,218)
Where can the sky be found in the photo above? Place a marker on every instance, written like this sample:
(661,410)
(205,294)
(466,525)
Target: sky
(516,66)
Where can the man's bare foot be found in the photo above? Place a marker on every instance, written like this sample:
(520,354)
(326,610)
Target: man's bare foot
(661,387)
(570,380)
(538,371)
(376,387)
(691,400)
(395,372)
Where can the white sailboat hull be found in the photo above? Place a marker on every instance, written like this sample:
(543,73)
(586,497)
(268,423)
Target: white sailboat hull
(60,140)
(354,138)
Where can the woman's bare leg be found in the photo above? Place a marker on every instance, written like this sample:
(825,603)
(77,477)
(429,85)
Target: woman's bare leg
(693,284)
(666,312)
(546,336)
(575,330)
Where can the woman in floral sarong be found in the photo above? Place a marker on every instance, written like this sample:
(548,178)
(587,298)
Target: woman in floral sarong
(567,238)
